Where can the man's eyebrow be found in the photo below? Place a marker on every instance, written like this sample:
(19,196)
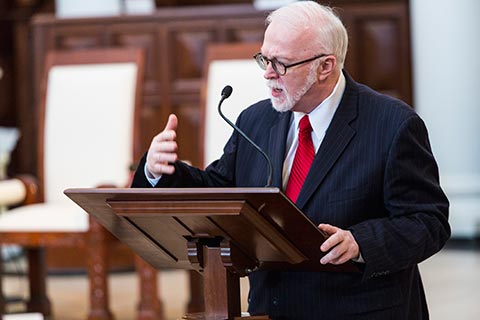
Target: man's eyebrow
(278,58)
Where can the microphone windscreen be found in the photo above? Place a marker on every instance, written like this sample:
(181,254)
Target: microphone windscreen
(226,92)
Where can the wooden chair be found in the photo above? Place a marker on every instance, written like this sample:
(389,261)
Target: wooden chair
(88,137)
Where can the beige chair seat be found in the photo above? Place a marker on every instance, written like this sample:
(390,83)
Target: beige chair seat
(23,316)
(12,191)
(45,217)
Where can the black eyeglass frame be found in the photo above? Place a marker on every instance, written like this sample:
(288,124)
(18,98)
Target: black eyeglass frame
(259,56)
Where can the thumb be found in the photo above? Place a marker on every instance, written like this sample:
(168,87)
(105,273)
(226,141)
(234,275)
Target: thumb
(172,123)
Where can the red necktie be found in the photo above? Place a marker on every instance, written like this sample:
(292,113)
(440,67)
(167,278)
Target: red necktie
(302,161)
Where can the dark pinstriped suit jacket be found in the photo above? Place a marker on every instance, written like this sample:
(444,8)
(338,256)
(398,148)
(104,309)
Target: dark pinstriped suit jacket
(375,175)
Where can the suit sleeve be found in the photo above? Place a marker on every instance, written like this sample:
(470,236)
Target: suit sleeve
(417,223)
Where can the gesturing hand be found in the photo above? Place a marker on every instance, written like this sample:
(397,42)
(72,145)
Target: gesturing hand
(341,244)
(163,150)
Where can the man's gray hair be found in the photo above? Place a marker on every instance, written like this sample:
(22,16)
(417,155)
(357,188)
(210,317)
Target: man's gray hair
(329,32)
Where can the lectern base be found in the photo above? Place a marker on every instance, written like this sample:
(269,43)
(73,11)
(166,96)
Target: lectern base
(201,316)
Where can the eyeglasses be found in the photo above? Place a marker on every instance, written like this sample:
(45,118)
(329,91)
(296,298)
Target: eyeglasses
(279,67)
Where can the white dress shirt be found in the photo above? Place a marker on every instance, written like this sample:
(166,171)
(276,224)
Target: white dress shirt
(320,119)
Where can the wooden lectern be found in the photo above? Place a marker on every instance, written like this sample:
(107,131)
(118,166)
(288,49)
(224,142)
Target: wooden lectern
(224,233)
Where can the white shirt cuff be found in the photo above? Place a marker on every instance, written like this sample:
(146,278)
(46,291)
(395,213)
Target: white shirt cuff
(153,181)
(359,259)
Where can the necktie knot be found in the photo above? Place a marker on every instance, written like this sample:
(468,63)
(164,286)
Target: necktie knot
(305,126)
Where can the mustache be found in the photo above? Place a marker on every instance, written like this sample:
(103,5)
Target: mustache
(273,84)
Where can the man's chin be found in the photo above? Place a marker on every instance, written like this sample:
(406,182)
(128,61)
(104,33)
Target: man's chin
(278,106)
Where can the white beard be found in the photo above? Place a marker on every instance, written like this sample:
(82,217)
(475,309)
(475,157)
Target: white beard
(287,101)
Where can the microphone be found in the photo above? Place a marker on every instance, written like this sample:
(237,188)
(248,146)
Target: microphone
(226,92)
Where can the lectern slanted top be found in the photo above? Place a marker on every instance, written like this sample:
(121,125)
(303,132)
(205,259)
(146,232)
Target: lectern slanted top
(158,223)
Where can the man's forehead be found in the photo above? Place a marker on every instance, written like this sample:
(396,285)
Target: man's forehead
(283,41)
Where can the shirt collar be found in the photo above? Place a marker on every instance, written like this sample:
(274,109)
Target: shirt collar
(322,115)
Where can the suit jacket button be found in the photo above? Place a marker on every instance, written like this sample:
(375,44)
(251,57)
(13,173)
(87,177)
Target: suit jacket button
(275,302)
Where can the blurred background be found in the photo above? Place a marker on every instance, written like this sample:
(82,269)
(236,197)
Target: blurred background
(424,52)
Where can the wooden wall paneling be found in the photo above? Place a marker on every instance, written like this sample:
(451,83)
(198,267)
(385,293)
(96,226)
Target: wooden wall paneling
(25,154)
(245,30)
(156,94)
(15,87)
(7,113)
(188,131)
(140,35)
(78,38)
(380,45)
(379,50)
(187,43)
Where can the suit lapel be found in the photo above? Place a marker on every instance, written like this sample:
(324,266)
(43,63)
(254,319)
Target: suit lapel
(336,139)
(276,146)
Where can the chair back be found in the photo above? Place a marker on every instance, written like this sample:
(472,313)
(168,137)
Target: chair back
(228,64)
(87,123)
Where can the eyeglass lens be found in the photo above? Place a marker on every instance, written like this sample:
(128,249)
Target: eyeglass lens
(263,61)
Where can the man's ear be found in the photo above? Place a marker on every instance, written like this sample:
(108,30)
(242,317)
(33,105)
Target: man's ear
(327,66)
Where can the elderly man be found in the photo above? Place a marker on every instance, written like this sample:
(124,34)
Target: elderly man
(356,162)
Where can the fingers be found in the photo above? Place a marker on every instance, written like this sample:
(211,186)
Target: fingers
(163,150)
(341,245)
(164,157)
(336,256)
(328,228)
(332,240)
(158,169)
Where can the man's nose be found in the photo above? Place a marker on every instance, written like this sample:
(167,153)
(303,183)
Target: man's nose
(270,72)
